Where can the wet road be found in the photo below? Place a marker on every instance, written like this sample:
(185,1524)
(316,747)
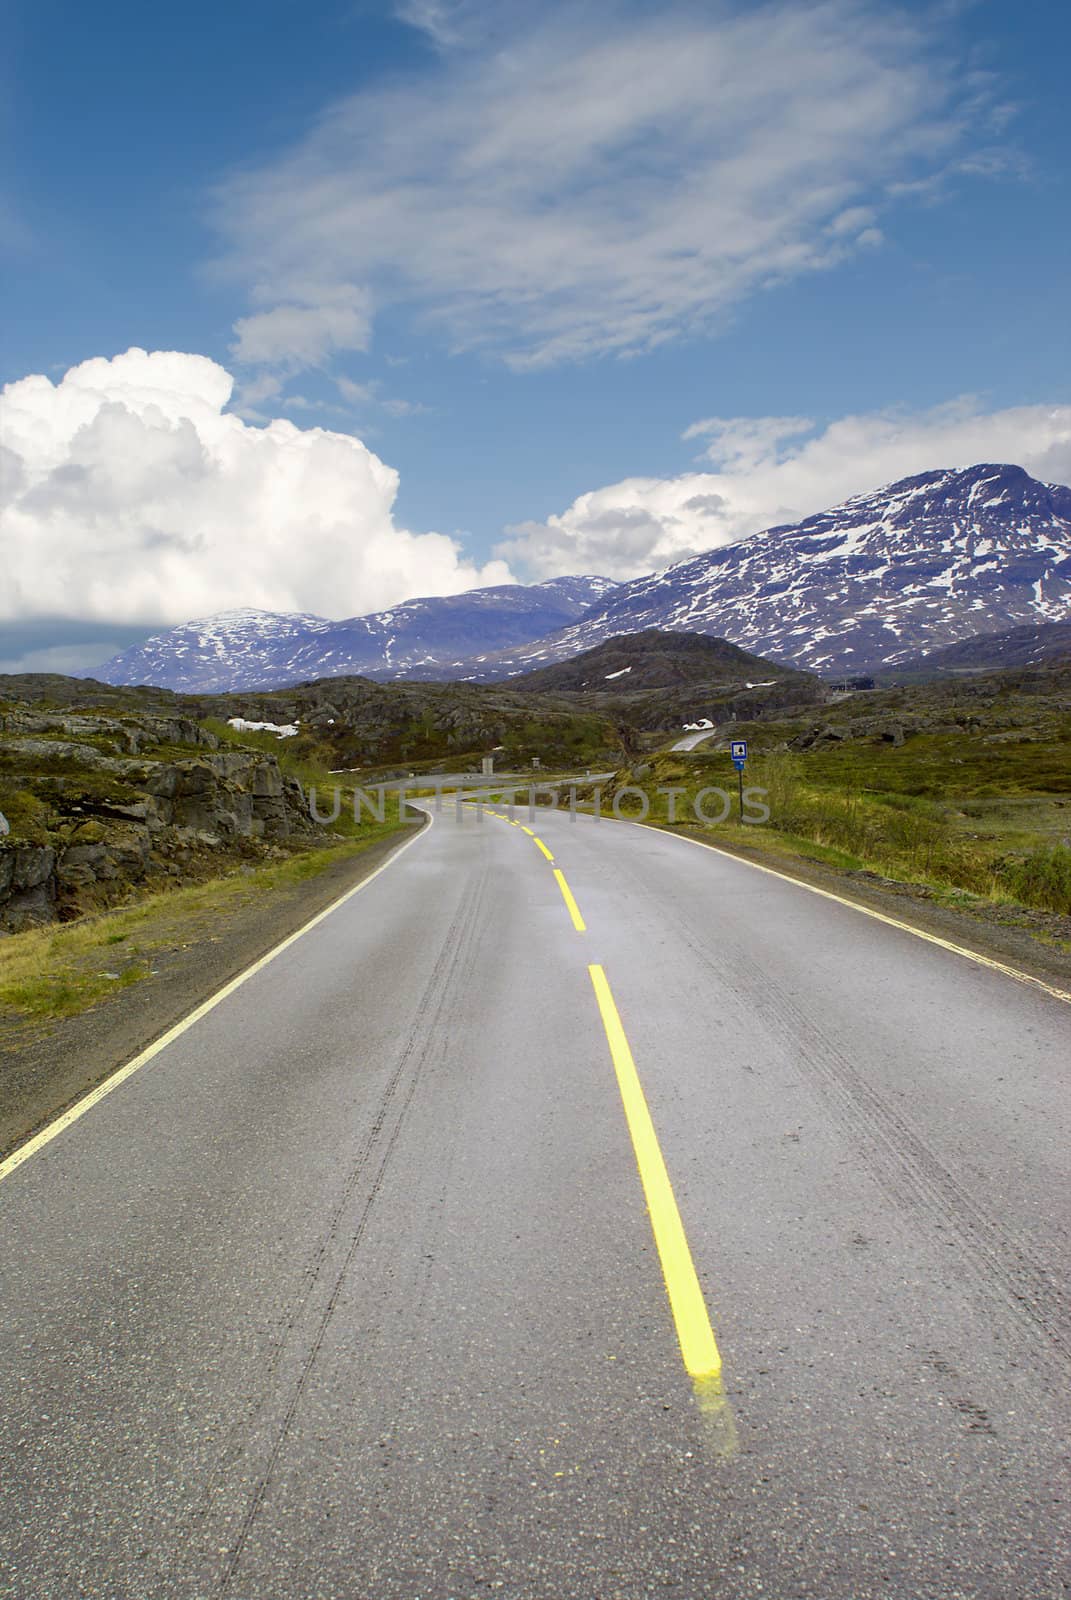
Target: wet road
(355,1290)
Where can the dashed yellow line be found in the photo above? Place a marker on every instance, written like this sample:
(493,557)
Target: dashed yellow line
(541,846)
(570,904)
(699,1349)
(529,831)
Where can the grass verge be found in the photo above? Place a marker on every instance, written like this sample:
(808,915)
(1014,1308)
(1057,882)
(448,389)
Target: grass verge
(994,852)
(53,972)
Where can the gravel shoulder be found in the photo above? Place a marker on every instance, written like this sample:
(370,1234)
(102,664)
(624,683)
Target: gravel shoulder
(47,1066)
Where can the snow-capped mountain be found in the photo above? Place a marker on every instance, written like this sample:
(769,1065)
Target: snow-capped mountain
(877,581)
(874,582)
(259,649)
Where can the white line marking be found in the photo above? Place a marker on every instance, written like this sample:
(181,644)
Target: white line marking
(866,911)
(73,1113)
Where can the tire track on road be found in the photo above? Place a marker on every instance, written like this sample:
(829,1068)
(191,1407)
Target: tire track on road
(901,1161)
(423,1041)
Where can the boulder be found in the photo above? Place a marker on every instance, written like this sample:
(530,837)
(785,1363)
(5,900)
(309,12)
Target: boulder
(34,865)
(267,780)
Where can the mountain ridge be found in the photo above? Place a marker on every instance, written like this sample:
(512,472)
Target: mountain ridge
(245,648)
(876,581)
(871,584)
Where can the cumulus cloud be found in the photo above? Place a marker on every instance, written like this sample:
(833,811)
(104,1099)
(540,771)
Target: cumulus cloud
(564,181)
(131,495)
(770,470)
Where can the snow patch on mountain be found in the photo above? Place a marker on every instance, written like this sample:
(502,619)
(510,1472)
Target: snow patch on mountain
(873,582)
(247,648)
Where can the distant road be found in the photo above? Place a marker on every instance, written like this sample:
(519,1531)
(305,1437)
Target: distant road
(692,741)
(353,1293)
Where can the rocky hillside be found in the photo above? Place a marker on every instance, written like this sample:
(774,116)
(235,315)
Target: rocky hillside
(96,802)
(107,788)
(260,649)
(654,659)
(355,722)
(105,791)
(872,583)
(569,716)
(656,682)
(987,652)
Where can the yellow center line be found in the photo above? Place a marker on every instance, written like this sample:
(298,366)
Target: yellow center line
(699,1349)
(543,847)
(570,904)
(529,831)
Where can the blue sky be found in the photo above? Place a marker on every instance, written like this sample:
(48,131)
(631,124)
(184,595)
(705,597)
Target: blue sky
(520,259)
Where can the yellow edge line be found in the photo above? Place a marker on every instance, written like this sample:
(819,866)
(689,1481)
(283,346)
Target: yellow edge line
(88,1101)
(539,843)
(570,904)
(868,911)
(694,1333)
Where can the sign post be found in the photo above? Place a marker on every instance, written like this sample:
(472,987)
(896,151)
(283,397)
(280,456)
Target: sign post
(738,751)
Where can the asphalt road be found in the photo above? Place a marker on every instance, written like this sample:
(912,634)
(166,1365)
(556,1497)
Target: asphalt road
(353,1291)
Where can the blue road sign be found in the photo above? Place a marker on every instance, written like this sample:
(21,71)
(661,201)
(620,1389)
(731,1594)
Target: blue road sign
(738,750)
(738,763)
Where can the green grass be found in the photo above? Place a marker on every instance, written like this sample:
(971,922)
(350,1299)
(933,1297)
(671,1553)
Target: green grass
(862,811)
(1041,878)
(55,972)
(27,815)
(48,994)
(936,765)
(300,757)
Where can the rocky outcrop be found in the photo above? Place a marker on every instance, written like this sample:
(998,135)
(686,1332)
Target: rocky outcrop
(89,819)
(119,735)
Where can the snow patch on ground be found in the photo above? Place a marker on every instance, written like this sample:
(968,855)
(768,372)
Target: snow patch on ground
(285,730)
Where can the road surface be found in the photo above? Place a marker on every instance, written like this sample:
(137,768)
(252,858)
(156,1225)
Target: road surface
(353,1293)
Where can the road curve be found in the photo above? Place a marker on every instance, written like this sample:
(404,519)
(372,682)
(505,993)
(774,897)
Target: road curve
(353,1291)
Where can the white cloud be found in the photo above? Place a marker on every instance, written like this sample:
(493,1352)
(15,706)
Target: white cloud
(583,180)
(250,395)
(370,394)
(436,18)
(303,335)
(771,470)
(130,494)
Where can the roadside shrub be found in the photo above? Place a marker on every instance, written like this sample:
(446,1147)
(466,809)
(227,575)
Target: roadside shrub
(1042,878)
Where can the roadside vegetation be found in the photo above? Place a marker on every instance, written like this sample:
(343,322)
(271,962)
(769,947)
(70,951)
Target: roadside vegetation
(62,969)
(920,816)
(960,786)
